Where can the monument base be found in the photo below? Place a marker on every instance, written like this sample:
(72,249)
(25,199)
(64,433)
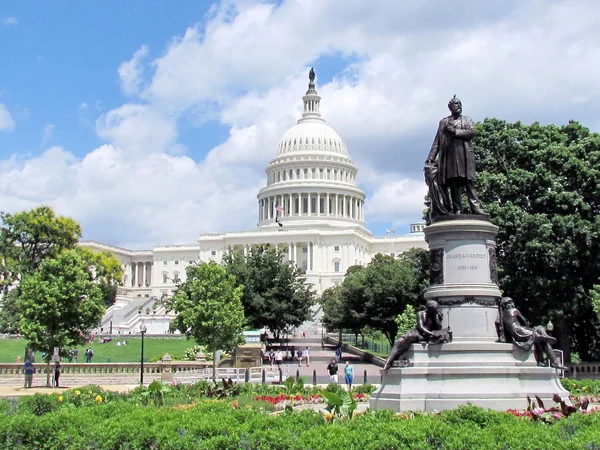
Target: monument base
(487,374)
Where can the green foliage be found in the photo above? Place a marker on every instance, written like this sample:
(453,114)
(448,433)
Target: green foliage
(595,297)
(407,320)
(292,386)
(340,405)
(376,294)
(26,240)
(367,389)
(586,387)
(541,186)
(208,307)
(276,295)
(59,303)
(334,313)
(38,404)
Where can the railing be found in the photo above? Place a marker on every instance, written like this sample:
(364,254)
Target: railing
(177,367)
(583,370)
(369,344)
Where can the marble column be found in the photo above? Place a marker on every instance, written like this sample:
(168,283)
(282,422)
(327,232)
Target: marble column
(318,204)
(309,257)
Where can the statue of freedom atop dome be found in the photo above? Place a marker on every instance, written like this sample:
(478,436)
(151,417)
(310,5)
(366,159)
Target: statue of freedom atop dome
(311,75)
(455,169)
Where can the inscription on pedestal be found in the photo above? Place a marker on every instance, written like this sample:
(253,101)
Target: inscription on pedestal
(466,263)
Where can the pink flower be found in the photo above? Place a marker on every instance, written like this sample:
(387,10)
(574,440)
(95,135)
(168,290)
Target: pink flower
(557,415)
(539,411)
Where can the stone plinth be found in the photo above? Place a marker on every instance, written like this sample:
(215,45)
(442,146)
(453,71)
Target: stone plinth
(474,367)
(463,275)
(491,375)
(248,355)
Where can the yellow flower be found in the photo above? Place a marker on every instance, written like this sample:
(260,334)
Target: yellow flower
(328,416)
(98,399)
(90,392)
(77,393)
(60,399)
(585,388)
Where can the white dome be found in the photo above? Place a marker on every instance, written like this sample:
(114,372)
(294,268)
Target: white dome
(311,136)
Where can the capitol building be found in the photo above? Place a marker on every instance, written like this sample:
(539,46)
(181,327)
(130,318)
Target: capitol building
(311,209)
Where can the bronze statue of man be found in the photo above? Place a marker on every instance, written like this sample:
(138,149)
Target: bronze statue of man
(517,330)
(453,147)
(429,329)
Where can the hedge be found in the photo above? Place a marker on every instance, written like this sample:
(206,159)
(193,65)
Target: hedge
(214,424)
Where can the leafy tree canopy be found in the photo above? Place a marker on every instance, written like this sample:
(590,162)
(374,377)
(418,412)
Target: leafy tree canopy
(276,295)
(376,294)
(59,304)
(209,308)
(541,186)
(28,237)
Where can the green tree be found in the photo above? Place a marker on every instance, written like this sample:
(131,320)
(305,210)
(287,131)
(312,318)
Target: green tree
(209,308)
(333,308)
(377,293)
(541,186)
(276,295)
(26,240)
(59,304)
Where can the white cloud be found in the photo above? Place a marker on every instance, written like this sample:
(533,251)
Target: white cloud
(131,72)
(246,67)
(10,21)
(138,129)
(159,199)
(7,123)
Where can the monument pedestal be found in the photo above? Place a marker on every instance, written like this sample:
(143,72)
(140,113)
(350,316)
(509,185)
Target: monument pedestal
(487,374)
(474,367)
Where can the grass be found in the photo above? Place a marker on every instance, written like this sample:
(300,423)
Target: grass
(110,352)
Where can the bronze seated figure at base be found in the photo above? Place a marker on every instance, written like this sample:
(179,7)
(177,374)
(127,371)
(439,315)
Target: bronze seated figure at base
(514,328)
(429,329)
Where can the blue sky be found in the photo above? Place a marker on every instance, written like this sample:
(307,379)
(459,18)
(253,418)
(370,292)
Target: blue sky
(150,123)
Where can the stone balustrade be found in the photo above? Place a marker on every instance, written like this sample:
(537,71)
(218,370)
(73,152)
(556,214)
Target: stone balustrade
(583,370)
(175,367)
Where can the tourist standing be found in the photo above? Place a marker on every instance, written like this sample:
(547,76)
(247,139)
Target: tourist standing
(349,372)
(307,356)
(28,369)
(279,358)
(56,372)
(299,355)
(272,357)
(332,369)
(338,354)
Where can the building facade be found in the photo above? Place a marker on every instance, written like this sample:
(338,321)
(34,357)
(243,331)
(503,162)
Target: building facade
(311,209)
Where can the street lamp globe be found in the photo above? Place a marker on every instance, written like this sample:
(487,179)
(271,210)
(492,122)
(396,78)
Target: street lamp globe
(550,326)
(143,328)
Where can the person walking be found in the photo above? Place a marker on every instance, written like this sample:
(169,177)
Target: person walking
(349,372)
(28,369)
(338,354)
(278,358)
(332,369)
(299,355)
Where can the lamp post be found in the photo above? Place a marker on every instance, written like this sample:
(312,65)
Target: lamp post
(550,326)
(143,330)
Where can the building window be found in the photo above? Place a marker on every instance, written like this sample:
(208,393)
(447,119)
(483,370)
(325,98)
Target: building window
(214,252)
(190,262)
(164,277)
(304,249)
(175,277)
(164,263)
(393,255)
(336,266)
(176,262)
(336,248)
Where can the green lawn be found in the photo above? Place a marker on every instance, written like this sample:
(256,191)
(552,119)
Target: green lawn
(153,347)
